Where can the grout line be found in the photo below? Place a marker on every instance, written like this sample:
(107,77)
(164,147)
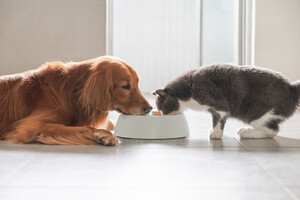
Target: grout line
(122,186)
(240,144)
(291,194)
(272,147)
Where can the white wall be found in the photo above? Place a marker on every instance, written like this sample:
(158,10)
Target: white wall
(277,44)
(34,31)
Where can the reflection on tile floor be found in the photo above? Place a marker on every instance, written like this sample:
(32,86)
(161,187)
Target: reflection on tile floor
(190,168)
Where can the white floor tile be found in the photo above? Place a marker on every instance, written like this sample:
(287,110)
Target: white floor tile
(190,168)
(282,163)
(14,157)
(117,193)
(181,167)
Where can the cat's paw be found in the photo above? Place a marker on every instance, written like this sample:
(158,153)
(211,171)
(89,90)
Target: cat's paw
(215,134)
(245,132)
(250,133)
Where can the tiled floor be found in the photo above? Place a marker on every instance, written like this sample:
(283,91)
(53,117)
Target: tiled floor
(191,168)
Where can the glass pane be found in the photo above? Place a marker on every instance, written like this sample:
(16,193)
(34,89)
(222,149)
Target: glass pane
(159,38)
(217,31)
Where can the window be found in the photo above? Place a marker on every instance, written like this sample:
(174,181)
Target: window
(162,39)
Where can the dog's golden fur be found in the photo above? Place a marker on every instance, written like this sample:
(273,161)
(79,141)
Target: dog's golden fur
(66,103)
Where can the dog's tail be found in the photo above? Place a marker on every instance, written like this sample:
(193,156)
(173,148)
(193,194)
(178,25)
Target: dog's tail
(296,85)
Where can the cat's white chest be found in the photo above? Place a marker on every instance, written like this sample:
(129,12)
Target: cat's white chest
(192,105)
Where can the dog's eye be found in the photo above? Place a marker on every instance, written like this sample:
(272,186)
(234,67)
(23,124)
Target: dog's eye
(126,87)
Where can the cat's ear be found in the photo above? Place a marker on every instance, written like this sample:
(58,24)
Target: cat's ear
(153,93)
(160,92)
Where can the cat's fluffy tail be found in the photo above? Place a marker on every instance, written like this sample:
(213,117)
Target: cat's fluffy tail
(296,84)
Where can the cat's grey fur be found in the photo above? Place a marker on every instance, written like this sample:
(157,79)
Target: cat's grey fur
(259,97)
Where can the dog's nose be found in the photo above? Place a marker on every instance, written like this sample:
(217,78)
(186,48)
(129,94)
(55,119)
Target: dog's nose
(147,109)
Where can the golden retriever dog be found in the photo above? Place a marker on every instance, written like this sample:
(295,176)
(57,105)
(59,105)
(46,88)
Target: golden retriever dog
(68,103)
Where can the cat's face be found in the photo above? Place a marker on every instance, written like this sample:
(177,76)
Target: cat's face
(165,102)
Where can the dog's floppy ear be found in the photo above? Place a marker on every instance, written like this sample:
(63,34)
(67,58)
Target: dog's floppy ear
(160,92)
(96,91)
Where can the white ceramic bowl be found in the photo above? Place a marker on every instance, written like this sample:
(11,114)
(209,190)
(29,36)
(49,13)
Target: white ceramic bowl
(152,126)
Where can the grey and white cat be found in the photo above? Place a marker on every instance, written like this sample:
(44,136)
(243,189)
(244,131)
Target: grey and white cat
(259,97)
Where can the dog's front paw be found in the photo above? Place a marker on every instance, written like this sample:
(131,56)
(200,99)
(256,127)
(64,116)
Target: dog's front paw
(111,125)
(215,134)
(106,138)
